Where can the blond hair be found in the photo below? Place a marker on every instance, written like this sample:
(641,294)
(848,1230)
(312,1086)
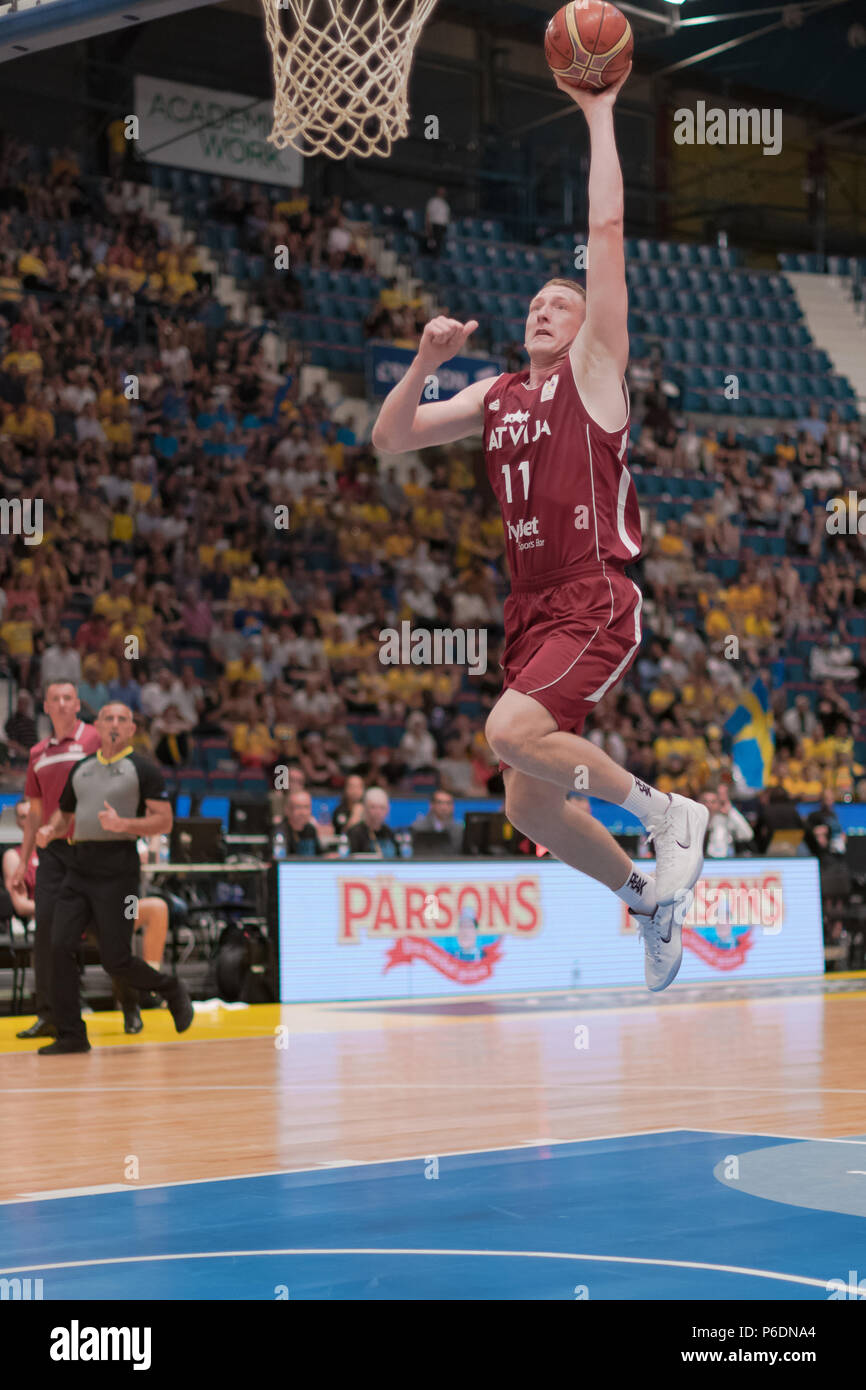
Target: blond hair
(569,284)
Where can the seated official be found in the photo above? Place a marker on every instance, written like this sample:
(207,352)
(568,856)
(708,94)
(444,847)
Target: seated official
(440,817)
(371,835)
(23,900)
(153,905)
(350,807)
(300,830)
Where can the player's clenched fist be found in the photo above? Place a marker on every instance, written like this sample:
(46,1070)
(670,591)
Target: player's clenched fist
(442,339)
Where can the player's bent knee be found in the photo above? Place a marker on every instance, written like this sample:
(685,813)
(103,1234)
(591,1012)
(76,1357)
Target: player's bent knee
(504,736)
(519,812)
(524,804)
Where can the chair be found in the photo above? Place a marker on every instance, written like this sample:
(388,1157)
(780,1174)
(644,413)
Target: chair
(16,953)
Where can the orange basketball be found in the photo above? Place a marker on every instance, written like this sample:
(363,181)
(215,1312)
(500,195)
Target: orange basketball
(589,44)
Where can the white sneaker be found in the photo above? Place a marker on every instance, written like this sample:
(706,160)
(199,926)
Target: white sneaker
(678,840)
(662,936)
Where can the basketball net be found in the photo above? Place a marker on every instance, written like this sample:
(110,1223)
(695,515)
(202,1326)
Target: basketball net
(341,73)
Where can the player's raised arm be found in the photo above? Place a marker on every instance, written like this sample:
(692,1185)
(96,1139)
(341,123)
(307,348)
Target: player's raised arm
(403,424)
(600,352)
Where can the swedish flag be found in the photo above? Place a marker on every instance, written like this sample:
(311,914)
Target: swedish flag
(753,739)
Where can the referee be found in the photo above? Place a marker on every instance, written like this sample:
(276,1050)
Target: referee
(116,795)
(48,768)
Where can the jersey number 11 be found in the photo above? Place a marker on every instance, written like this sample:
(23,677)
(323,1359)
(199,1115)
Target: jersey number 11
(506,470)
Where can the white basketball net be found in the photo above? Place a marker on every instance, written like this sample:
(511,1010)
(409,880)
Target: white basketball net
(341,72)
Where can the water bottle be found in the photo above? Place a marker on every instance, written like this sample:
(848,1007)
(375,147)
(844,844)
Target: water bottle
(342,846)
(279,845)
(164,852)
(404,840)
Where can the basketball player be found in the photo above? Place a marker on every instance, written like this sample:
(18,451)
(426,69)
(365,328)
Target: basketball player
(555,440)
(48,767)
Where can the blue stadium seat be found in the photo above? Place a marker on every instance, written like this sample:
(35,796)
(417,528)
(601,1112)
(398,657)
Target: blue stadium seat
(839,387)
(213,752)
(687,302)
(219,784)
(191,782)
(646,298)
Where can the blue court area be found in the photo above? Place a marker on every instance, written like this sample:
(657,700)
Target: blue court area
(676,1215)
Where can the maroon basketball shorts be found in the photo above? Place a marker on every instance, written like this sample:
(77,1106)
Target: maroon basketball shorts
(569,640)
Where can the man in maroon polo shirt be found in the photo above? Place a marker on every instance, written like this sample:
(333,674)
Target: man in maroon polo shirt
(51,761)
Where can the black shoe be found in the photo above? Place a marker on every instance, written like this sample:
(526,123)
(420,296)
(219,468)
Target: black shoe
(132,1019)
(146,1000)
(54,1049)
(40,1029)
(180,1008)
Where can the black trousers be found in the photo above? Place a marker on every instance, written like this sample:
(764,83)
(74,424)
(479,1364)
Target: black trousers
(88,899)
(53,864)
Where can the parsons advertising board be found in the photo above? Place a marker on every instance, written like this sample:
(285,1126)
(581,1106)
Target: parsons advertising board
(212,132)
(359,929)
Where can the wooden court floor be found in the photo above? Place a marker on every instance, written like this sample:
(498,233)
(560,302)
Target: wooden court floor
(272,1088)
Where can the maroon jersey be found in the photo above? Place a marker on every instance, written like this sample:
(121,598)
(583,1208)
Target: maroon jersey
(567,497)
(52,760)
